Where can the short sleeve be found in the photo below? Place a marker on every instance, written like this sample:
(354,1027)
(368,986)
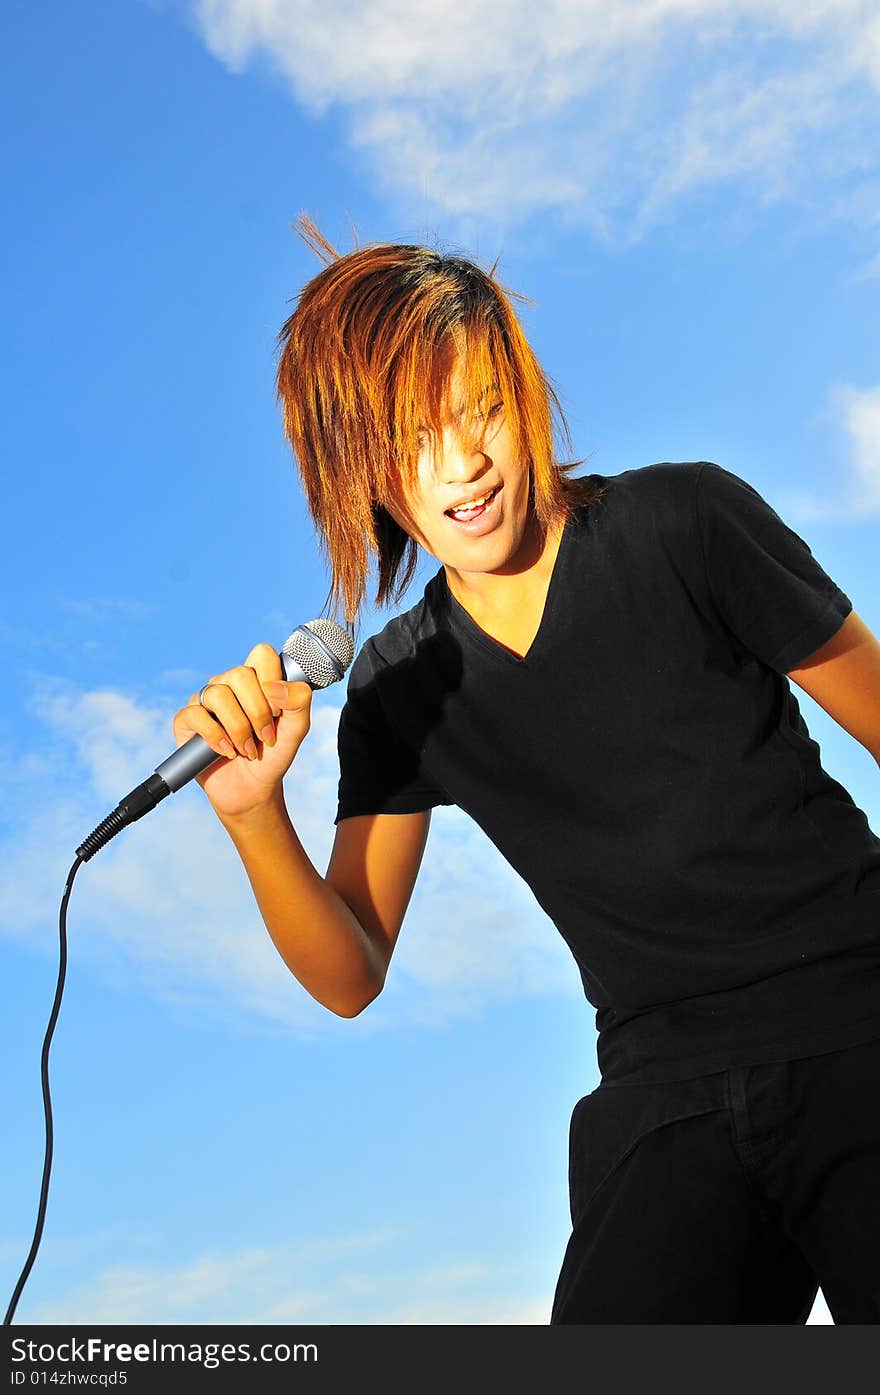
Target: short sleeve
(378,772)
(766,584)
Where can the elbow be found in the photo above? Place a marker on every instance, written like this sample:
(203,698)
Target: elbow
(351,1011)
(354,1008)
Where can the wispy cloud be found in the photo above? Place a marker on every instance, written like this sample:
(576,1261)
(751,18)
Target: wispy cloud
(613,115)
(860,411)
(168,902)
(855,412)
(354,1279)
(360,1279)
(101,608)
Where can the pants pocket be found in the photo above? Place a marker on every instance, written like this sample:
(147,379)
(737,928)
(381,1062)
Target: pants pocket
(607,1124)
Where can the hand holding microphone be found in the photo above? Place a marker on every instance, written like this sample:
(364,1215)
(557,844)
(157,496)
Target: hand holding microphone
(267,701)
(239,706)
(255,721)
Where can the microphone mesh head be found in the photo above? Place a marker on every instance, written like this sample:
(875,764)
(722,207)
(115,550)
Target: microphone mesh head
(322,649)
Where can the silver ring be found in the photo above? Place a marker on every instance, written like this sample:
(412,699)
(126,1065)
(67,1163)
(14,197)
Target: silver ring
(202,694)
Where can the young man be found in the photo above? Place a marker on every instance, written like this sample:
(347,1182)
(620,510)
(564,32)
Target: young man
(597,673)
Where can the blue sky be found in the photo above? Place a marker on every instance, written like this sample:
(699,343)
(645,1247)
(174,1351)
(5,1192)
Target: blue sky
(691,198)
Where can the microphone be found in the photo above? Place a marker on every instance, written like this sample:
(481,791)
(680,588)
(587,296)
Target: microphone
(317,653)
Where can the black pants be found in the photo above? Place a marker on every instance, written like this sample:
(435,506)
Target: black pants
(729,1198)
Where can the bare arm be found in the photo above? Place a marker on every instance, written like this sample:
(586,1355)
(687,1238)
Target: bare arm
(373,867)
(843,676)
(335,934)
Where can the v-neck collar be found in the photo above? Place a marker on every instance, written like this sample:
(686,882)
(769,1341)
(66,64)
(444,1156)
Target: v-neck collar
(466,624)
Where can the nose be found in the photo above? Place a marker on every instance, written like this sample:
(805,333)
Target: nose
(459,460)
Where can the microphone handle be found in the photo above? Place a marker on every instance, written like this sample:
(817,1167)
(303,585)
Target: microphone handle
(196,755)
(188,760)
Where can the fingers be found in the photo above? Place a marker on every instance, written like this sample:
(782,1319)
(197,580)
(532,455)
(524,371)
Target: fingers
(238,707)
(266,662)
(281,695)
(288,697)
(195,720)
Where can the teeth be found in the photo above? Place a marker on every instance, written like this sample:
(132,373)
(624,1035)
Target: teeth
(471,504)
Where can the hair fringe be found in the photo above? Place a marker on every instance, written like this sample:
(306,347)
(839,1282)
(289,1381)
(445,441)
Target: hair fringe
(365,359)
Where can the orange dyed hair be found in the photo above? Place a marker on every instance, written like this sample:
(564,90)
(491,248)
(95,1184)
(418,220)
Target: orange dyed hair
(365,362)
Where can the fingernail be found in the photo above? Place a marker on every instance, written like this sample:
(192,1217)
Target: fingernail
(267,735)
(250,748)
(227,747)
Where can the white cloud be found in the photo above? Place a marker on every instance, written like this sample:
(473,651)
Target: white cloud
(353,1279)
(168,901)
(860,409)
(856,413)
(476,933)
(358,1279)
(612,114)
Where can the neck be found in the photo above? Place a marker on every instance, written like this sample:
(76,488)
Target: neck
(523,577)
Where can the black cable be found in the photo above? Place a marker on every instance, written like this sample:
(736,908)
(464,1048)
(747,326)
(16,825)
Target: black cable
(47,1101)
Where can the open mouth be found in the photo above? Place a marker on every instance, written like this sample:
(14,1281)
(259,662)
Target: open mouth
(474,508)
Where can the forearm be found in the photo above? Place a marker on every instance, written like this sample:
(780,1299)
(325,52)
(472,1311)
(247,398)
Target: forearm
(314,930)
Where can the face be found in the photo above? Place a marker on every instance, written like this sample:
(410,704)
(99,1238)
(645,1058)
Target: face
(469,503)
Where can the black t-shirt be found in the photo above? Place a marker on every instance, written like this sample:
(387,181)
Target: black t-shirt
(646,769)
